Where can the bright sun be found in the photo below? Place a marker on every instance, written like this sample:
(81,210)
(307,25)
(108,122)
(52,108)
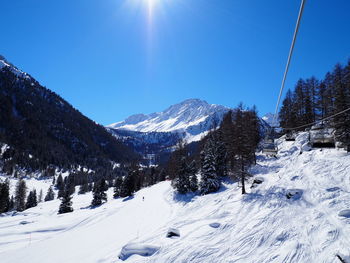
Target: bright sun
(151,4)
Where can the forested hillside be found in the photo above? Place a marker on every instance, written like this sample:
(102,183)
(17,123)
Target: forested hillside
(314,99)
(40,131)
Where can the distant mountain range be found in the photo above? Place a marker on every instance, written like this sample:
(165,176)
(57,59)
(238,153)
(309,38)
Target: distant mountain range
(191,119)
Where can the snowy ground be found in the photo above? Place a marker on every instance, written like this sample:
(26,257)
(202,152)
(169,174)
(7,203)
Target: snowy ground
(262,226)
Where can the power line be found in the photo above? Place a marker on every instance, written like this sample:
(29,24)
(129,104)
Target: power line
(309,124)
(289,58)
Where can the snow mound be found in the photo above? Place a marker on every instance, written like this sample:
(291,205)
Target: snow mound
(294,194)
(345,213)
(25,222)
(173,232)
(333,189)
(214,225)
(137,249)
(257,181)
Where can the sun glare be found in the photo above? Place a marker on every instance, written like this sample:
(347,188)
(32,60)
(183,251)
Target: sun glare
(150,5)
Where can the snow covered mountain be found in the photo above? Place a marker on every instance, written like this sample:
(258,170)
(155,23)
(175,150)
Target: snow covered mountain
(158,133)
(261,226)
(193,117)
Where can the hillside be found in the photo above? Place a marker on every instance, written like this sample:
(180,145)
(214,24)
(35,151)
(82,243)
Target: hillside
(39,129)
(261,226)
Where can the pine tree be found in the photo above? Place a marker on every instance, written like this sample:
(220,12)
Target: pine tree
(61,192)
(245,141)
(341,103)
(182,181)
(174,163)
(117,185)
(4,196)
(209,180)
(322,106)
(287,114)
(66,203)
(70,184)
(193,183)
(227,129)
(161,176)
(219,153)
(127,187)
(20,197)
(308,90)
(59,183)
(192,170)
(50,195)
(31,199)
(99,194)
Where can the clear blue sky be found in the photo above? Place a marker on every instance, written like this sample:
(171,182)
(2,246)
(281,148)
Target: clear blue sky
(111,59)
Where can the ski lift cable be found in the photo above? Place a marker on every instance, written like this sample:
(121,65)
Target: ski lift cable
(312,123)
(301,10)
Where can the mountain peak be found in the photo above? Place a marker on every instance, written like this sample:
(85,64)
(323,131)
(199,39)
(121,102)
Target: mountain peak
(194,115)
(194,101)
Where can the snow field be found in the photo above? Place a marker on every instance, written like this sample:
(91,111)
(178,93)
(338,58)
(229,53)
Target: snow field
(262,226)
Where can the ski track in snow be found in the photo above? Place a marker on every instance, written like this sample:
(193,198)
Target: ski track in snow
(262,226)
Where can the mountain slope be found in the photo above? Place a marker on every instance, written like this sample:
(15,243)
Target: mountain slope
(39,129)
(262,226)
(192,116)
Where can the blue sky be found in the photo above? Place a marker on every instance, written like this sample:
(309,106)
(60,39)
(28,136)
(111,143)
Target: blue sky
(111,59)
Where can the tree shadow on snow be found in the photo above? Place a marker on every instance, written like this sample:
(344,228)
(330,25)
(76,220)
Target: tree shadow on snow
(189,197)
(264,169)
(276,197)
(128,198)
(184,198)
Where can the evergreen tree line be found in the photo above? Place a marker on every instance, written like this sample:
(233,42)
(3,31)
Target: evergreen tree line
(20,201)
(313,99)
(133,180)
(226,151)
(125,185)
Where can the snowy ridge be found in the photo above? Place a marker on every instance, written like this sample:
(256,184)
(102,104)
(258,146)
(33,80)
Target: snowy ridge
(5,64)
(193,116)
(262,226)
